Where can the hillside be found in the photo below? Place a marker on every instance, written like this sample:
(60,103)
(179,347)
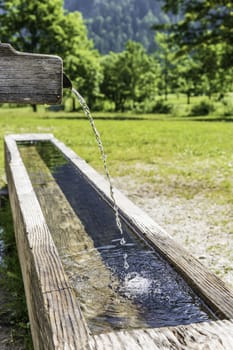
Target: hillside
(112,23)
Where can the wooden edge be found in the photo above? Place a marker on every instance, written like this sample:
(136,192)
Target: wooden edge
(216,335)
(8,50)
(54,312)
(28,137)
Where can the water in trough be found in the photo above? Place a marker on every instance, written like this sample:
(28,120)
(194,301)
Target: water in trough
(150,293)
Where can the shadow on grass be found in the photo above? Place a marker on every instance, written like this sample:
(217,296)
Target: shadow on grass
(209,119)
(145,118)
(97,118)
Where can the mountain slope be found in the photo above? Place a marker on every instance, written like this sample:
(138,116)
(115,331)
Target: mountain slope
(112,23)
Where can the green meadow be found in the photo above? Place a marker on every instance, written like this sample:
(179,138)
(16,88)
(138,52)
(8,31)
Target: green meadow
(178,156)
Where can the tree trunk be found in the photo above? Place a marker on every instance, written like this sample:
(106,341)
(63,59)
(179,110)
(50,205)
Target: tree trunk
(165,85)
(34,108)
(73,104)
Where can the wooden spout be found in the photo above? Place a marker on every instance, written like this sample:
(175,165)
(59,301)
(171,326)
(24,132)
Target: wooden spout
(29,78)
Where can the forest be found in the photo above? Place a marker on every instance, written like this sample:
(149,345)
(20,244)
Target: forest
(192,55)
(111,24)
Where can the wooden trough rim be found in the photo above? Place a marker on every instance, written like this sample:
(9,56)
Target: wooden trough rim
(206,284)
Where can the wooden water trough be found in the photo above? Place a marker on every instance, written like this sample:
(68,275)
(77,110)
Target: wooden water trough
(56,319)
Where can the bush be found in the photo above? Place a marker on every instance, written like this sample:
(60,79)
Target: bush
(143,107)
(202,108)
(162,107)
(227,109)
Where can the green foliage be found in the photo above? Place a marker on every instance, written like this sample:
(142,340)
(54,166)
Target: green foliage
(111,24)
(227,108)
(166,59)
(203,108)
(188,76)
(33,26)
(203,23)
(85,72)
(129,76)
(162,107)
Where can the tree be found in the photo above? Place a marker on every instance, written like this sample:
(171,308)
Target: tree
(33,26)
(204,22)
(44,27)
(129,76)
(166,58)
(188,78)
(208,58)
(116,79)
(85,71)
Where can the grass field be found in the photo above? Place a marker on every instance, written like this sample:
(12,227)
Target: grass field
(180,157)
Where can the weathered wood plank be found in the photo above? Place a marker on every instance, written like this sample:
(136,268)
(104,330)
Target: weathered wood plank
(29,78)
(55,316)
(216,335)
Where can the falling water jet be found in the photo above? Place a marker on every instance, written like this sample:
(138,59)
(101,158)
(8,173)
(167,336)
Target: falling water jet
(87,112)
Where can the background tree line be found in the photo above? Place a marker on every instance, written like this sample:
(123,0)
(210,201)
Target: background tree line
(132,79)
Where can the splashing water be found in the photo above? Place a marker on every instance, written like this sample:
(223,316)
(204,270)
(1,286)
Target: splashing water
(87,112)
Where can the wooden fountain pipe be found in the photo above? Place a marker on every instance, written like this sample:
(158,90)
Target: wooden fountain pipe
(30,78)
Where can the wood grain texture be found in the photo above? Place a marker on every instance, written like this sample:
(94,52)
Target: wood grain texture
(54,314)
(216,335)
(29,78)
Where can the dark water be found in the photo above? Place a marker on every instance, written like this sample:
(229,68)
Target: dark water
(150,293)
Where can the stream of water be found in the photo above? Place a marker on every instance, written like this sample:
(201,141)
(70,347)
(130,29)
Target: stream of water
(87,112)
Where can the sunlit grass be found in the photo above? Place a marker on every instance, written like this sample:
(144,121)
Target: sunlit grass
(178,157)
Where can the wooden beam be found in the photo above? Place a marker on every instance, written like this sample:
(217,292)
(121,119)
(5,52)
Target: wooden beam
(55,316)
(29,78)
(216,335)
